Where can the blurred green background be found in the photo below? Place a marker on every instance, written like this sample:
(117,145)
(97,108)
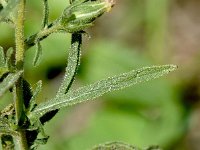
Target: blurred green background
(134,34)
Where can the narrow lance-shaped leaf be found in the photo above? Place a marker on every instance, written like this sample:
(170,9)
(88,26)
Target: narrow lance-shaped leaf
(2,58)
(3,66)
(9,61)
(115,145)
(35,94)
(45,13)
(101,87)
(71,69)
(73,63)
(9,81)
(121,146)
(38,54)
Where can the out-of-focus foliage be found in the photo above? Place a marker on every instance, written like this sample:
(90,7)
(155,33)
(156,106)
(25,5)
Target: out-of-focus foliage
(136,33)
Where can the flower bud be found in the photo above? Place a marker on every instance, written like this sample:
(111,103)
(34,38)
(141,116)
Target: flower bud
(79,16)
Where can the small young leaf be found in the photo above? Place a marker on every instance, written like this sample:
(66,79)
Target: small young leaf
(73,63)
(2,58)
(46,14)
(9,81)
(3,72)
(101,87)
(38,54)
(3,64)
(35,94)
(9,61)
(71,69)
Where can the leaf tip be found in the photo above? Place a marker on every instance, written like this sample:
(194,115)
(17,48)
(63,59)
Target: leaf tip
(172,67)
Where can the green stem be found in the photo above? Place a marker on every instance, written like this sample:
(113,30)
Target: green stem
(19,58)
(44,33)
(22,140)
(19,35)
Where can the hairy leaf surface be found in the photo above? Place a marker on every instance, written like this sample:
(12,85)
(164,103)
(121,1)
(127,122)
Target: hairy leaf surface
(38,54)
(9,81)
(73,63)
(2,58)
(121,146)
(99,88)
(115,146)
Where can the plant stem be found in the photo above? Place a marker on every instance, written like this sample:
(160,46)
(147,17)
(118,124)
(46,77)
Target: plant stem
(19,35)
(22,140)
(19,56)
(44,33)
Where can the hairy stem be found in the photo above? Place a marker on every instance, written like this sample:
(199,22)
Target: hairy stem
(44,33)
(19,35)
(19,58)
(46,14)
(22,140)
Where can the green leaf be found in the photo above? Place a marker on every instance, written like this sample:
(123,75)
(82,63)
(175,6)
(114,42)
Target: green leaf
(9,61)
(35,94)
(3,71)
(73,63)
(3,64)
(2,58)
(121,146)
(9,81)
(115,146)
(38,54)
(45,13)
(101,87)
